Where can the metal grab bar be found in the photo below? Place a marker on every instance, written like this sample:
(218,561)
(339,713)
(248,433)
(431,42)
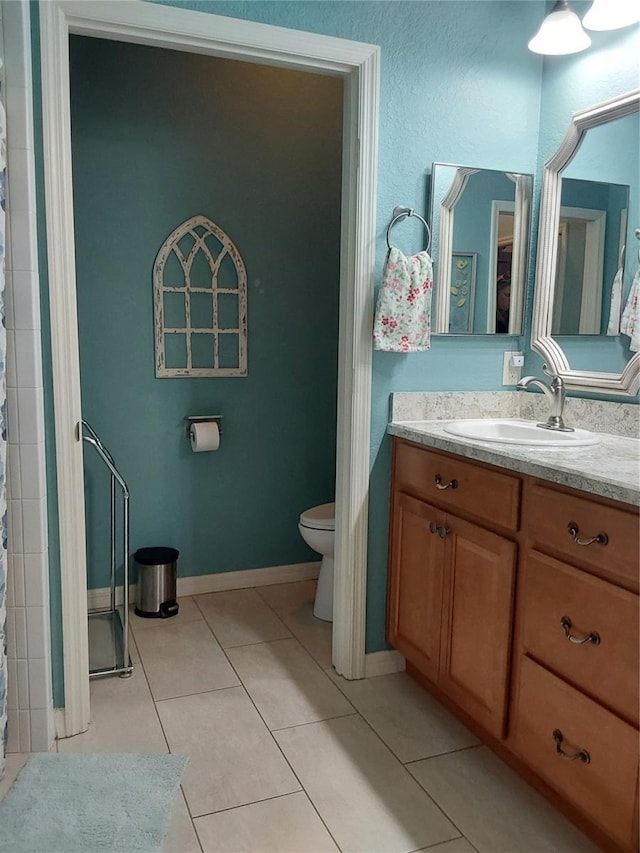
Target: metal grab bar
(94,439)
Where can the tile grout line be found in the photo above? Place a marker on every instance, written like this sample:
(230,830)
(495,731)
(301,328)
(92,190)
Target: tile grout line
(195,601)
(164,735)
(355,713)
(279,748)
(324,671)
(411,776)
(440,754)
(252,803)
(435,802)
(289,627)
(195,693)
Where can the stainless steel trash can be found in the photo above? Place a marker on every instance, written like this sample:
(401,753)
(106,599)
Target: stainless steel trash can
(157,570)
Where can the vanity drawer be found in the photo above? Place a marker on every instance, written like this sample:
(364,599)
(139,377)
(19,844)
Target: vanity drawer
(605,788)
(455,484)
(559,522)
(558,599)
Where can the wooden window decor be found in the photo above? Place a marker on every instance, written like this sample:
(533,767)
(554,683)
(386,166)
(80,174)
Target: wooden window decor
(200,303)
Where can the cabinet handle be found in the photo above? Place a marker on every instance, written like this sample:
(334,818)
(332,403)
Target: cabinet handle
(581,754)
(452,484)
(591,637)
(600,538)
(442,532)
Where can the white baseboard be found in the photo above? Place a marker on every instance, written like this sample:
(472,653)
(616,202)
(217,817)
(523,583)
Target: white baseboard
(246,578)
(383,663)
(99,599)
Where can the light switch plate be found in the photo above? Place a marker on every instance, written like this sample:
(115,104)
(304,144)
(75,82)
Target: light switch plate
(510,375)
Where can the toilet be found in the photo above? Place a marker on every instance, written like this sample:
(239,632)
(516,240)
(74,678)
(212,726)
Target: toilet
(317,527)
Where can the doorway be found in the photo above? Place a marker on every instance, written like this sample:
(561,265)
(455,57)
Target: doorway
(179,29)
(160,135)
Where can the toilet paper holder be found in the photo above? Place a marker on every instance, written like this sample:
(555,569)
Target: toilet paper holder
(199,419)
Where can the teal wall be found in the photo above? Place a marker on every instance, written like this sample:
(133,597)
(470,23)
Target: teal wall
(457,85)
(159,136)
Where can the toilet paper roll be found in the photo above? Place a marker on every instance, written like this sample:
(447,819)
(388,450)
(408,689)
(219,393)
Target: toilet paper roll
(204,436)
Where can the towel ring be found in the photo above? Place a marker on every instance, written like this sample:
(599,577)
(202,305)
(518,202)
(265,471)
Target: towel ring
(403,213)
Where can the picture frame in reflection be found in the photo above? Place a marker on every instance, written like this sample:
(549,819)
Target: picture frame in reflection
(462,290)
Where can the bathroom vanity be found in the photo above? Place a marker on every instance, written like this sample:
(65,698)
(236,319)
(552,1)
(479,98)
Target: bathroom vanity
(513,594)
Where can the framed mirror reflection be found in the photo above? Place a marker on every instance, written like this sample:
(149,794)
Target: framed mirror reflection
(480,226)
(591,247)
(588,251)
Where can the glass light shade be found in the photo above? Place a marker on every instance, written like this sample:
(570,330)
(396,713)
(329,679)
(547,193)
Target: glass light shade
(611,14)
(561,33)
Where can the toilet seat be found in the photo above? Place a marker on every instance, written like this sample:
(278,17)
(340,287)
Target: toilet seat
(320,517)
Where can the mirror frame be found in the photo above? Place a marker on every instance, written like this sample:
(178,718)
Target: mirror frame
(628,381)
(521,234)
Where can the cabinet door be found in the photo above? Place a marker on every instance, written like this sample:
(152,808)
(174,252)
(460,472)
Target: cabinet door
(415,583)
(477,617)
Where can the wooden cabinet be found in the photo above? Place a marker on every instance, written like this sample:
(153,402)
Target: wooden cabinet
(584,628)
(479,492)
(477,610)
(516,601)
(575,686)
(446,574)
(415,584)
(588,755)
(561,523)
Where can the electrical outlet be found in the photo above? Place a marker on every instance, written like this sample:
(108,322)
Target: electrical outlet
(511,374)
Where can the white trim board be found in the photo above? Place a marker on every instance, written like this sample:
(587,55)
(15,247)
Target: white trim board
(198,32)
(380,663)
(100,598)
(247,578)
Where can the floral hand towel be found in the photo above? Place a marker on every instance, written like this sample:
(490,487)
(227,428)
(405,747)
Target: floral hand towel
(616,304)
(630,323)
(403,313)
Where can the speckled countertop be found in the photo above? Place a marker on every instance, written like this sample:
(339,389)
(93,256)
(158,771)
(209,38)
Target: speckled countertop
(610,468)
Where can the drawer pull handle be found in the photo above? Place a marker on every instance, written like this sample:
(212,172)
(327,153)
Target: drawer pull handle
(600,538)
(452,484)
(581,754)
(442,532)
(591,637)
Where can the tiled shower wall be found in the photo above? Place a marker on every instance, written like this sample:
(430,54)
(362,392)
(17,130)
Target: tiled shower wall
(30,705)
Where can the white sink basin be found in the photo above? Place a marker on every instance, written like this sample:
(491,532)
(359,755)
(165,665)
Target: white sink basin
(514,431)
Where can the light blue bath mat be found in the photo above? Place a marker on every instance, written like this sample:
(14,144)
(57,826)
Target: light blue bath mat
(76,803)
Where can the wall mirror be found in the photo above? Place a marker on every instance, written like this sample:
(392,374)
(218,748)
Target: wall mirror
(480,221)
(589,216)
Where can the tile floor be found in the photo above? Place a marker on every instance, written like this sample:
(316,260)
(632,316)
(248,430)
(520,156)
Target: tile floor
(284,755)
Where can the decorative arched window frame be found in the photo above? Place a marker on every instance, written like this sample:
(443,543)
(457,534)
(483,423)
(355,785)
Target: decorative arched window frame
(199,228)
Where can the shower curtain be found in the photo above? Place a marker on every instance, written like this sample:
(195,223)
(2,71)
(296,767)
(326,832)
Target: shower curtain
(3,450)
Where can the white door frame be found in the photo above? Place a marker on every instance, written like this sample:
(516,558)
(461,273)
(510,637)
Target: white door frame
(198,32)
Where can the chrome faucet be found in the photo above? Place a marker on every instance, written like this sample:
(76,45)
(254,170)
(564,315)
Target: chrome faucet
(555,393)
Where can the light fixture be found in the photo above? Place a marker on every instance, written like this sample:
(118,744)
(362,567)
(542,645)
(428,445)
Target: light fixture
(611,14)
(561,33)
